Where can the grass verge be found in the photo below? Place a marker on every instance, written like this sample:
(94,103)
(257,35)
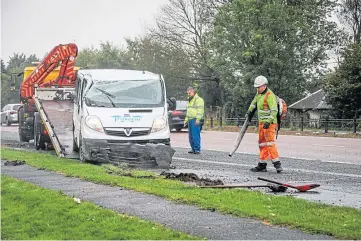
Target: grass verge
(340,222)
(31,212)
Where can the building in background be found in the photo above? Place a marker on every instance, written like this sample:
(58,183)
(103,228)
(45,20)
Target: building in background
(313,106)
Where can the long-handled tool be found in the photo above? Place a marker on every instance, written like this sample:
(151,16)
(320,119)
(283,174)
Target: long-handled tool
(302,188)
(274,188)
(242,132)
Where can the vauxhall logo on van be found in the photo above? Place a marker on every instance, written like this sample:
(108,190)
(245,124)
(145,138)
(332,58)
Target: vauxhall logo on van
(127,131)
(126,118)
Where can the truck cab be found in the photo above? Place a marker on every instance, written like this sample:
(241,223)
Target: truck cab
(120,114)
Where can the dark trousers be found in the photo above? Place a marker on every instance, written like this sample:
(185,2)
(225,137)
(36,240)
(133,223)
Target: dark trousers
(194,134)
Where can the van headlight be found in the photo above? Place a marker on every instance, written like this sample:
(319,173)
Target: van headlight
(94,123)
(159,123)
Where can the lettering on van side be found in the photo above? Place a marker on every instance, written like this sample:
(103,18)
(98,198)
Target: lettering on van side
(126,118)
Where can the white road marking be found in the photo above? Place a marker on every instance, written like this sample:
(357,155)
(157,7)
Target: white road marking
(329,145)
(225,139)
(247,165)
(292,157)
(254,153)
(338,162)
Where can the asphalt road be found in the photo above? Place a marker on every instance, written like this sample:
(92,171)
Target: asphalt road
(325,149)
(334,163)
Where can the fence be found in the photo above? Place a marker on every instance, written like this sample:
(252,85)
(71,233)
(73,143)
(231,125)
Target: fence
(301,124)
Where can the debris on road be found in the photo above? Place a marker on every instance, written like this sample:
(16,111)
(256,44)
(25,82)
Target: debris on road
(302,188)
(274,188)
(273,185)
(14,163)
(191,177)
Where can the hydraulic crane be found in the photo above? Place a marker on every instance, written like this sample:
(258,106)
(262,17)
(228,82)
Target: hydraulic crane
(56,70)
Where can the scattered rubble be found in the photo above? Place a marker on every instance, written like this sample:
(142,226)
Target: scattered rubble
(191,177)
(14,163)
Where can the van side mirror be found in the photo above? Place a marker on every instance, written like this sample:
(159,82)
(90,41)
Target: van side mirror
(172,103)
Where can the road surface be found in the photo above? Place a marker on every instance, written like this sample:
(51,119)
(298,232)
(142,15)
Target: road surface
(325,149)
(334,163)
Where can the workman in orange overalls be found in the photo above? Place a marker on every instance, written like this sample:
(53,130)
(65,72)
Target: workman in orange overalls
(266,103)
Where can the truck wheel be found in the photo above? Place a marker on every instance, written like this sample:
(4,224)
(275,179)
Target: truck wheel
(7,122)
(39,142)
(22,134)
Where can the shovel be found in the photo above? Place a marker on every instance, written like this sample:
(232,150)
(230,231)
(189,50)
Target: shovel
(302,188)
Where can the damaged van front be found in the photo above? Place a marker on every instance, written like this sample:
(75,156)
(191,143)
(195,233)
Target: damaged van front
(120,116)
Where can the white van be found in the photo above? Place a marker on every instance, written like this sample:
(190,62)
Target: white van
(121,116)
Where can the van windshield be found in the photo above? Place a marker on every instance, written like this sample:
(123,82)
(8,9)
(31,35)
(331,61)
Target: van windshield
(126,93)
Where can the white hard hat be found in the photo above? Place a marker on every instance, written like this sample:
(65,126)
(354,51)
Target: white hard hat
(260,80)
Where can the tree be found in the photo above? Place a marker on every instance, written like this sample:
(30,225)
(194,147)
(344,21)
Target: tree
(108,56)
(148,54)
(3,67)
(350,16)
(286,41)
(87,58)
(183,25)
(16,65)
(343,87)
(16,61)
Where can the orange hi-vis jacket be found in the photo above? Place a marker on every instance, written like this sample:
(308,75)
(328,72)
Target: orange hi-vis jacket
(266,104)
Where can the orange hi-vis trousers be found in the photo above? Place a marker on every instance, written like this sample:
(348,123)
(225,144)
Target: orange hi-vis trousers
(267,142)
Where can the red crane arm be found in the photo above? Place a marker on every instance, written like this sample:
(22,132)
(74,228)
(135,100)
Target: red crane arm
(61,54)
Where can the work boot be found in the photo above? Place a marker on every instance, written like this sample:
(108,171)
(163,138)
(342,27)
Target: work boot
(278,167)
(261,167)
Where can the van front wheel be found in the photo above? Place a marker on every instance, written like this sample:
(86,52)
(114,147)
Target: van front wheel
(75,146)
(81,150)
(81,154)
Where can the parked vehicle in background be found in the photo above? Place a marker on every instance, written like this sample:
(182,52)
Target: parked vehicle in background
(9,114)
(177,116)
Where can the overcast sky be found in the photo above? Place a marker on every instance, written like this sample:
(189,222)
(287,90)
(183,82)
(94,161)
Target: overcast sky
(36,26)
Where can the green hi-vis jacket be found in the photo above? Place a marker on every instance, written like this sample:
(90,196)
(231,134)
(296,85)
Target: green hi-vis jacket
(195,109)
(266,104)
